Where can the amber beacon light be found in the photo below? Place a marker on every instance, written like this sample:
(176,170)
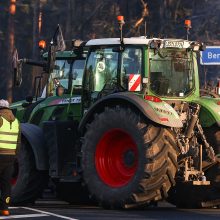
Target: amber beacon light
(121,22)
(120,19)
(188,26)
(42,44)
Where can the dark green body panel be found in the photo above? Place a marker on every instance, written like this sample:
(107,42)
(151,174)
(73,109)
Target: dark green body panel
(210,111)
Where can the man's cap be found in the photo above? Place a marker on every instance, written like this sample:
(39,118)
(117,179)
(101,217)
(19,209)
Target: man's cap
(4,103)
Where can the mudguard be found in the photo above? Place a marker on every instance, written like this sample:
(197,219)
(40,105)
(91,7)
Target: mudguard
(210,111)
(158,112)
(34,136)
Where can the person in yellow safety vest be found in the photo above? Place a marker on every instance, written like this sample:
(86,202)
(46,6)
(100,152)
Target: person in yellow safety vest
(9,144)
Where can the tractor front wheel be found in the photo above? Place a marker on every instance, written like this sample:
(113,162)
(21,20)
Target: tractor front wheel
(127,161)
(28,182)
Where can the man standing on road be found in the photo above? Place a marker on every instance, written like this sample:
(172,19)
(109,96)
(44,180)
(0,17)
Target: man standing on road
(9,140)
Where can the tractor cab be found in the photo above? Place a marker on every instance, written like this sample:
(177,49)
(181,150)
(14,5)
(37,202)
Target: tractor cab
(166,68)
(67,74)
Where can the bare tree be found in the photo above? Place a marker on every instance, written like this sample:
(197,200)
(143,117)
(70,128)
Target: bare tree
(11,43)
(140,21)
(36,20)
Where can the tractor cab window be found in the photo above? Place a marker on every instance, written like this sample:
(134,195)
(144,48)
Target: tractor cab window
(131,63)
(59,76)
(60,73)
(66,73)
(77,72)
(101,70)
(171,72)
(107,70)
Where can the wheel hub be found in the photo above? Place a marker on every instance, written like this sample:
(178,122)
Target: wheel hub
(116,158)
(129,158)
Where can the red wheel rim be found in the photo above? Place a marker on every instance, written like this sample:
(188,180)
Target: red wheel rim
(14,177)
(116,158)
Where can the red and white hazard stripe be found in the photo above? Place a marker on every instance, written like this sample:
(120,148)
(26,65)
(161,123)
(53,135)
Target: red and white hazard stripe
(217,90)
(134,83)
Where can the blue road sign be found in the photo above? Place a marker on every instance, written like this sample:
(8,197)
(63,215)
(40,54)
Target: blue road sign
(211,56)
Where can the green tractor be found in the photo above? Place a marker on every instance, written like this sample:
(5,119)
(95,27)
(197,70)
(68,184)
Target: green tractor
(135,131)
(31,168)
(147,132)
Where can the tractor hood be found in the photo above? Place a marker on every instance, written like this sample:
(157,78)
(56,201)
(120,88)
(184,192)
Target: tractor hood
(18,110)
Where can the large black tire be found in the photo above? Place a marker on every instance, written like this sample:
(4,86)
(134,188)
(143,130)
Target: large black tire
(141,168)
(213,137)
(30,181)
(189,196)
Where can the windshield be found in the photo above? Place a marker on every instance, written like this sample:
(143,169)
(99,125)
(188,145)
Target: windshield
(60,73)
(107,68)
(63,72)
(171,72)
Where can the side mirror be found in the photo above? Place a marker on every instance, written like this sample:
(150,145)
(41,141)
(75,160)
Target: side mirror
(17,69)
(202,47)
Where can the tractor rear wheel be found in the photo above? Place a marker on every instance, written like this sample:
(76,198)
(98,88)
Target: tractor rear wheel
(28,183)
(126,160)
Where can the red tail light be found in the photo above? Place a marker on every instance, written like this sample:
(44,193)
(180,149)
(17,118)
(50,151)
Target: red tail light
(152,98)
(164,119)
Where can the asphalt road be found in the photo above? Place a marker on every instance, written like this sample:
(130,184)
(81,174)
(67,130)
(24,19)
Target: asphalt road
(48,210)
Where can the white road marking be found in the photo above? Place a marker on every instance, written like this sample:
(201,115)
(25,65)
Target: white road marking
(23,216)
(49,213)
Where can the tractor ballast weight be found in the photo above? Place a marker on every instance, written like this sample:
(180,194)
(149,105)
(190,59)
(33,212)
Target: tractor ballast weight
(158,112)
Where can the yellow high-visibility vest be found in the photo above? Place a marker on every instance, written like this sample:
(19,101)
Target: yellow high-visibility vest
(9,134)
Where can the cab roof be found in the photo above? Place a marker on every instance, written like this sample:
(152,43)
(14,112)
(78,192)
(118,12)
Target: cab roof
(141,41)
